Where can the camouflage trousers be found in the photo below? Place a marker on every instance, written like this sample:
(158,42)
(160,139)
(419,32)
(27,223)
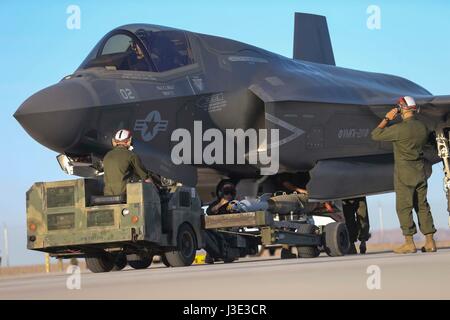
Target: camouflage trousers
(413,197)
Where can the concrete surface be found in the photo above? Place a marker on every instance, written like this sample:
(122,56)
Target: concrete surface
(413,276)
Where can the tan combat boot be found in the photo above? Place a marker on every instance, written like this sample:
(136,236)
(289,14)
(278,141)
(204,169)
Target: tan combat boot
(430,245)
(407,247)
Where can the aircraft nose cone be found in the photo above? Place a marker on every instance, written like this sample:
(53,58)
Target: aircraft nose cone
(54,116)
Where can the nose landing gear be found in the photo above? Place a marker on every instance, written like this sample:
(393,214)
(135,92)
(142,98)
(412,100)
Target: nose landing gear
(442,140)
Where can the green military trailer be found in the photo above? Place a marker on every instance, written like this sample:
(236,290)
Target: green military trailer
(73,219)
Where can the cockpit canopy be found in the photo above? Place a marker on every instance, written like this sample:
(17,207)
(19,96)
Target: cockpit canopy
(142,50)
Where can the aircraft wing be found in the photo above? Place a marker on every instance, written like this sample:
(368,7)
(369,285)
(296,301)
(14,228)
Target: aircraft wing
(437,107)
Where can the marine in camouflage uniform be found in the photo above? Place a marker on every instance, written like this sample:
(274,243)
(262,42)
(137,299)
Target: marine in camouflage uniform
(410,181)
(216,243)
(357,221)
(121,164)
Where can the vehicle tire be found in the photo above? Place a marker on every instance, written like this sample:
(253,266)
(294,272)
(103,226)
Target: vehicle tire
(229,260)
(120,262)
(287,254)
(143,263)
(308,251)
(336,239)
(164,260)
(186,248)
(100,263)
(272,251)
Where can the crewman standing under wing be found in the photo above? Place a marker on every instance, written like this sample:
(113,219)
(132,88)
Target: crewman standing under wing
(410,181)
(120,164)
(357,221)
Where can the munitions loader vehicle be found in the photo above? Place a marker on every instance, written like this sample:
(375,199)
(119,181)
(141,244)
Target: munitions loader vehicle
(72,218)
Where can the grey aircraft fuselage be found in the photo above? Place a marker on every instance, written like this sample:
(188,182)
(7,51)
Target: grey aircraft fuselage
(324,113)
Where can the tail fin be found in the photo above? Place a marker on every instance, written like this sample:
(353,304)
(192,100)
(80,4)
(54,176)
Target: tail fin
(312,40)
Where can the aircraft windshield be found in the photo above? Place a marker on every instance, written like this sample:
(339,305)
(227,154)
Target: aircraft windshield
(161,51)
(117,44)
(168,49)
(121,52)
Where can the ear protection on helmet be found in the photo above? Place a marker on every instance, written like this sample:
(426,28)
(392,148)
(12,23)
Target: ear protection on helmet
(409,104)
(122,135)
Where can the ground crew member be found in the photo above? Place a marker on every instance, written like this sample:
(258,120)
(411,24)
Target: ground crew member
(226,192)
(216,242)
(120,164)
(410,182)
(291,182)
(357,221)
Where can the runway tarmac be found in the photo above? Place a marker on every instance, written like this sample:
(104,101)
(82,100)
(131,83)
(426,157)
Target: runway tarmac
(390,276)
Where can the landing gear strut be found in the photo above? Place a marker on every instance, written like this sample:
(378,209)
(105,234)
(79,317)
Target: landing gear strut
(442,141)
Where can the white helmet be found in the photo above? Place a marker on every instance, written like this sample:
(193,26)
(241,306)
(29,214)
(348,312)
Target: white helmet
(122,135)
(408,103)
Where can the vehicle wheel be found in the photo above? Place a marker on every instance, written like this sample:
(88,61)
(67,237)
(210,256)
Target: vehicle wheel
(164,260)
(229,260)
(272,251)
(120,262)
(308,251)
(186,248)
(287,254)
(101,263)
(143,263)
(337,240)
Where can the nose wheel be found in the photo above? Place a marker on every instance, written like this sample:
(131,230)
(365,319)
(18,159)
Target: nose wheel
(442,141)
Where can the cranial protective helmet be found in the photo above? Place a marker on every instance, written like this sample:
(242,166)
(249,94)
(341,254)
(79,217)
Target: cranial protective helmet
(225,187)
(407,103)
(122,135)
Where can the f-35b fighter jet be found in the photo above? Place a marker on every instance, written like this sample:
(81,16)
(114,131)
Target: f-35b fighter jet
(155,80)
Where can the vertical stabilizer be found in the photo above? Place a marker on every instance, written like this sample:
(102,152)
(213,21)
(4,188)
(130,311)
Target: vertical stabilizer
(312,39)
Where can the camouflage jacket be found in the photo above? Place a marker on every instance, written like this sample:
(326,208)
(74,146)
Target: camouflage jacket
(120,164)
(408,137)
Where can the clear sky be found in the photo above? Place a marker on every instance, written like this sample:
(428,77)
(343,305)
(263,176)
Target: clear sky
(37,50)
